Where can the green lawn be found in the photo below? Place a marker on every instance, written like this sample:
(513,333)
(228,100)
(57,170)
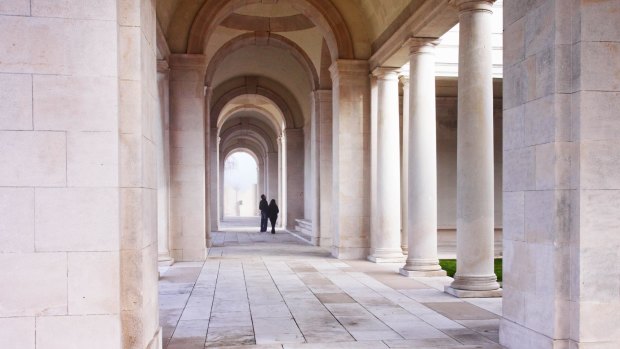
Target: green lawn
(449,265)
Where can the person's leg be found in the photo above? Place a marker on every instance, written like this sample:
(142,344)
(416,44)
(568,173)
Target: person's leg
(273,225)
(263,222)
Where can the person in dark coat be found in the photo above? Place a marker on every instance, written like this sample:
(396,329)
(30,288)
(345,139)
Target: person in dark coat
(273,214)
(263,206)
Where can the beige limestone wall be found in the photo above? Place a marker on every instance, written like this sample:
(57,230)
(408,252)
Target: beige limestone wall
(561,182)
(77,188)
(187,153)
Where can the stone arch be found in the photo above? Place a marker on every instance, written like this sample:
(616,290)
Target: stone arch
(322,13)
(250,149)
(248,130)
(270,39)
(248,109)
(252,85)
(241,147)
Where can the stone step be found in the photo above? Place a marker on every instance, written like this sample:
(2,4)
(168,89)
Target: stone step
(303,229)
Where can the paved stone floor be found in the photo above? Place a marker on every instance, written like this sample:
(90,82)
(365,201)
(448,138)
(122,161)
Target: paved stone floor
(268,291)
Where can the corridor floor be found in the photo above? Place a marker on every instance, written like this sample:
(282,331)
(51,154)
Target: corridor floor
(268,291)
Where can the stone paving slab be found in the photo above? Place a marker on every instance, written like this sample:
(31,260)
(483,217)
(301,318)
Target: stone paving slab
(265,291)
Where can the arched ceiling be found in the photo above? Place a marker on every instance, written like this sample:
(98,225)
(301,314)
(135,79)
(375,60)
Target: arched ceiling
(254,106)
(364,19)
(271,63)
(276,93)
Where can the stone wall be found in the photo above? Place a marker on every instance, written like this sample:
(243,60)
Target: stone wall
(561,182)
(77,175)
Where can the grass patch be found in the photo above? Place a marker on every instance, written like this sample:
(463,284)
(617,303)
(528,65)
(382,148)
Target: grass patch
(449,265)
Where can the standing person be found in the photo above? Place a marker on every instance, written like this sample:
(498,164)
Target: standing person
(273,214)
(263,207)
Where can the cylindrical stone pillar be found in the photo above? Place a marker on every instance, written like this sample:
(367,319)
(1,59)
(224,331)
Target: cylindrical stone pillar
(385,240)
(475,210)
(422,165)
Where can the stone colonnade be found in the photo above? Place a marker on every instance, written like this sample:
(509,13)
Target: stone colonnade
(475,225)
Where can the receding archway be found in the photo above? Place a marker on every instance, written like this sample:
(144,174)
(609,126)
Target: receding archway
(240,195)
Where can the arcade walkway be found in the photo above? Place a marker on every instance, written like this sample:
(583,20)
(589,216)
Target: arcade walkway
(274,291)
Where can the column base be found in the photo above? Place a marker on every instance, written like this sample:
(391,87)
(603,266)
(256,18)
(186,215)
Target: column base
(164,260)
(472,294)
(422,273)
(387,256)
(475,283)
(349,252)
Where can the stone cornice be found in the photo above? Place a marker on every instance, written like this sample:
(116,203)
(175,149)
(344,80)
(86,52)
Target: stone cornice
(188,61)
(349,68)
(431,19)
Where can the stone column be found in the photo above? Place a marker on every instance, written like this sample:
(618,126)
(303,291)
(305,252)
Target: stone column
(422,162)
(272,176)
(475,275)
(404,161)
(163,164)
(294,207)
(281,179)
(385,240)
(188,157)
(351,158)
(208,173)
(323,99)
(315,158)
(213,178)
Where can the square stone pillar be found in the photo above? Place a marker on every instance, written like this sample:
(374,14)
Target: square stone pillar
(272,175)
(322,126)
(294,209)
(78,187)
(209,187)
(213,179)
(561,175)
(351,159)
(162,141)
(187,197)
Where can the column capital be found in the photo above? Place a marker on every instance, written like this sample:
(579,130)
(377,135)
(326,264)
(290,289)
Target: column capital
(323,95)
(472,5)
(418,45)
(404,78)
(349,68)
(386,73)
(188,62)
